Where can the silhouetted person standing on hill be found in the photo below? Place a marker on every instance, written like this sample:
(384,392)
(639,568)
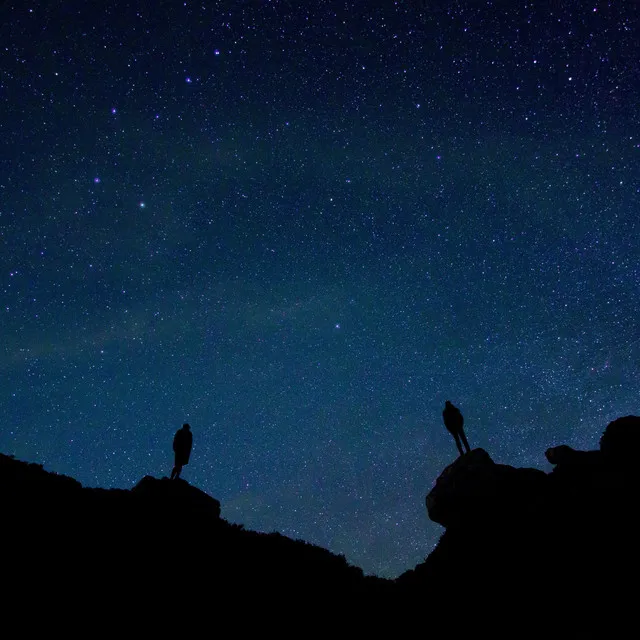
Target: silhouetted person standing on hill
(453,421)
(182,442)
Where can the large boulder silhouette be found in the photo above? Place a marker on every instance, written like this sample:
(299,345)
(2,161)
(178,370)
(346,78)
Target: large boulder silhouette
(475,487)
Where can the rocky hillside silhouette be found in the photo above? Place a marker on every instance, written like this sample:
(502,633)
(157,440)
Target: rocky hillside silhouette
(524,554)
(162,545)
(554,554)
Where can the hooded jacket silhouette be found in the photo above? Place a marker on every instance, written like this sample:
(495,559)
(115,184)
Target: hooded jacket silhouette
(182,443)
(454,422)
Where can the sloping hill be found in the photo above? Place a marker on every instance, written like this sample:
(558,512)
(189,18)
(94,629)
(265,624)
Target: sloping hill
(524,554)
(161,544)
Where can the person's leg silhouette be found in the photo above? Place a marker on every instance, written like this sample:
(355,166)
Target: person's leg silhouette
(464,440)
(458,444)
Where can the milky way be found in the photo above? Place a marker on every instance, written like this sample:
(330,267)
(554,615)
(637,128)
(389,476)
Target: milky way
(301,227)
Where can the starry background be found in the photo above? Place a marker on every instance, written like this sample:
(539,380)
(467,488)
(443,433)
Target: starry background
(301,227)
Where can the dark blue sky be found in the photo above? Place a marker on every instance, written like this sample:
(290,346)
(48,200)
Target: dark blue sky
(301,227)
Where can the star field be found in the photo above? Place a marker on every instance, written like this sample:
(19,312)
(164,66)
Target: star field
(301,227)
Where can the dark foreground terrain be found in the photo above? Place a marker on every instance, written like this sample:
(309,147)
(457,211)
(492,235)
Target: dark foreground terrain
(524,554)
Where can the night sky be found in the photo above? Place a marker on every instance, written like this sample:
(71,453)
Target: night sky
(301,227)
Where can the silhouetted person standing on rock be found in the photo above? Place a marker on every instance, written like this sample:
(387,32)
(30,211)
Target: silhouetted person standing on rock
(453,421)
(182,442)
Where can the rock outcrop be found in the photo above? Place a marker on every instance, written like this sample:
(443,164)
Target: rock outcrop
(475,487)
(558,550)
